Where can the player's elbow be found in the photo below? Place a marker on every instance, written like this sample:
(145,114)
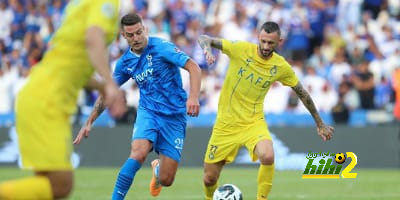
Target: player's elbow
(192,67)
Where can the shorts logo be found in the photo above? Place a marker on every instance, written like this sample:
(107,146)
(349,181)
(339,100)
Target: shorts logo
(213,149)
(179,143)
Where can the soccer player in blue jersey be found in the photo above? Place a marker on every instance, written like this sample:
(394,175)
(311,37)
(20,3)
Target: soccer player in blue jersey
(160,125)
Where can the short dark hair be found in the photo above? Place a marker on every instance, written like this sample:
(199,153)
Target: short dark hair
(130,19)
(271,27)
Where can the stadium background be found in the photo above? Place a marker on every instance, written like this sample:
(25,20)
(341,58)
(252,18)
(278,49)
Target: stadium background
(346,53)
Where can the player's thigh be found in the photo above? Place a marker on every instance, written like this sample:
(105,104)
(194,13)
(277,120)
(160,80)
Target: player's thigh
(44,135)
(171,137)
(223,145)
(139,149)
(258,140)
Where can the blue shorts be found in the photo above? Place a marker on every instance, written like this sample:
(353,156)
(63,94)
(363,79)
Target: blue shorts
(166,132)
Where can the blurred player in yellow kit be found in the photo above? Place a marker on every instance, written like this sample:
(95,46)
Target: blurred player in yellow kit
(45,104)
(253,68)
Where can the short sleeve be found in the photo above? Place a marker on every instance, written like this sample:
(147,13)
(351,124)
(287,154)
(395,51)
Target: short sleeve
(233,47)
(173,54)
(119,76)
(289,77)
(103,14)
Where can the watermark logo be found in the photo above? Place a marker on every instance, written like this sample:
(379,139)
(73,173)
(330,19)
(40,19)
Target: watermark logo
(328,170)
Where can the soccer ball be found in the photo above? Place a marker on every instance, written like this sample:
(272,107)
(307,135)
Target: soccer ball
(228,192)
(340,158)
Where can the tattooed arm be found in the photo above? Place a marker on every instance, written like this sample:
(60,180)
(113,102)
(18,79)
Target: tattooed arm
(87,127)
(324,131)
(305,97)
(99,107)
(206,42)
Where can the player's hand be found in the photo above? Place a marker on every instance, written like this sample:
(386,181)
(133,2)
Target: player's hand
(193,107)
(209,57)
(84,132)
(325,132)
(115,100)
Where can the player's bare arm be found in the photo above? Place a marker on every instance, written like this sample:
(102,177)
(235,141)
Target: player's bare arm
(324,131)
(95,84)
(97,48)
(305,97)
(206,42)
(193,104)
(99,107)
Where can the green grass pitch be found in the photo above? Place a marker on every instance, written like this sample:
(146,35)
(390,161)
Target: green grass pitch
(97,183)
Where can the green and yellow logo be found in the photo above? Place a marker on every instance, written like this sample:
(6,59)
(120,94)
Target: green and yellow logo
(326,169)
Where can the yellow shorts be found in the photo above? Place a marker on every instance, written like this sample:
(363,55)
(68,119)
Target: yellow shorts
(44,133)
(226,141)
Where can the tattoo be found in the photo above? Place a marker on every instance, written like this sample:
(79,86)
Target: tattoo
(216,43)
(206,42)
(305,97)
(99,106)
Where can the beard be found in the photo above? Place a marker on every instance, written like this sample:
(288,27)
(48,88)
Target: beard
(265,53)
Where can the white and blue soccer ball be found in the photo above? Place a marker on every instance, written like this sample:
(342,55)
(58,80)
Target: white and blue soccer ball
(227,192)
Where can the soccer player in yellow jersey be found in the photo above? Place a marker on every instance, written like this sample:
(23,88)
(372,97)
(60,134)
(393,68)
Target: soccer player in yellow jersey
(45,104)
(240,118)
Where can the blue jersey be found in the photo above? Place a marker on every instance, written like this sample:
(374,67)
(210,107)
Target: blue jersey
(157,73)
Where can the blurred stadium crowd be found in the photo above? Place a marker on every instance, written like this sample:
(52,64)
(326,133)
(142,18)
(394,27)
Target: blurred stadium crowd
(346,52)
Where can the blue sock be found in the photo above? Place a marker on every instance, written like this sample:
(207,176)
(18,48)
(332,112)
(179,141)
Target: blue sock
(125,178)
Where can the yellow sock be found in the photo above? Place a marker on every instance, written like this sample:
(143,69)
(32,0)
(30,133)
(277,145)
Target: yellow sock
(36,187)
(209,191)
(264,181)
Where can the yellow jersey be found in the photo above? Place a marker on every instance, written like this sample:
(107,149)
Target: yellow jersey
(247,82)
(65,67)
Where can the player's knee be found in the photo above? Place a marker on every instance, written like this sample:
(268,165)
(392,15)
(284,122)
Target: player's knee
(209,180)
(62,192)
(62,188)
(267,159)
(166,180)
(139,156)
